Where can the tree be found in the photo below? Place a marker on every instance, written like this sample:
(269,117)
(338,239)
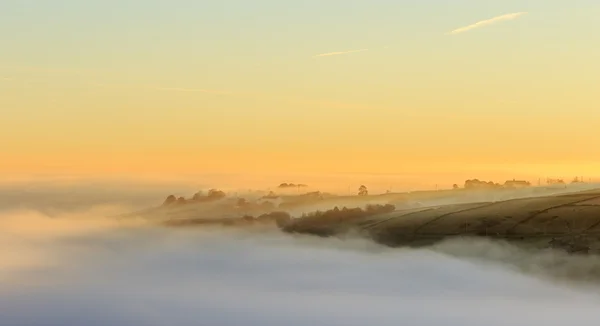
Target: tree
(216,194)
(271,195)
(242,202)
(362,191)
(198,196)
(455,186)
(170,200)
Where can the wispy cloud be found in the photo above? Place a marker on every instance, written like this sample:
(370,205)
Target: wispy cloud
(5,78)
(50,70)
(192,90)
(338,53)
(164,89)
(487,22)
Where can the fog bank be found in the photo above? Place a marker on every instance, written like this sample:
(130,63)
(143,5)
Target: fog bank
(100,274)
(75,266)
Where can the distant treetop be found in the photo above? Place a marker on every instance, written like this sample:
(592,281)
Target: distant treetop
(291,185)
(199,197)
(478,184)
(363,191)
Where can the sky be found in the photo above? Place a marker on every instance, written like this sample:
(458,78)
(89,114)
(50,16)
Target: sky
(314,87)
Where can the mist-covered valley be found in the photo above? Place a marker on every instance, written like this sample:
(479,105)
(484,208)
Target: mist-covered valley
(70,257)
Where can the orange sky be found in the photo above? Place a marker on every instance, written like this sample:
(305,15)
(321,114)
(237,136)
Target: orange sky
(393,94)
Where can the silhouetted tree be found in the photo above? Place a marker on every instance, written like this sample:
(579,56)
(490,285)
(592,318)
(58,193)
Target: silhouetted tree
(325,223)
(270,195)
(267,205)
(242,202)
(291,185)
(362,191)
(198,196)
(478,184)
(216,194)
(170,200)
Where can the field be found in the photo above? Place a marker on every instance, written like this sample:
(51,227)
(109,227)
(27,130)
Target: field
(568,221)
(535,217)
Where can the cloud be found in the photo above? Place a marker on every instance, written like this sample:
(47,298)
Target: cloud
(165,89)
(96,83)
(338,53)
(487,22)
(193,90)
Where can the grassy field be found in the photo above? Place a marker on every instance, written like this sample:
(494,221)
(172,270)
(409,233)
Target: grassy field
(570,222)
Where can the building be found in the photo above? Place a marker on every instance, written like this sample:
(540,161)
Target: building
(517,184)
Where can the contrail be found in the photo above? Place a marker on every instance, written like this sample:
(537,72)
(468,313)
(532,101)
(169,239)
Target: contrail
(197,90)
(165,89)
(338,53)
(487,22)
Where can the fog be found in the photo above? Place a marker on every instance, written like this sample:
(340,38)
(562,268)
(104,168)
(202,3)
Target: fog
(68,264)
